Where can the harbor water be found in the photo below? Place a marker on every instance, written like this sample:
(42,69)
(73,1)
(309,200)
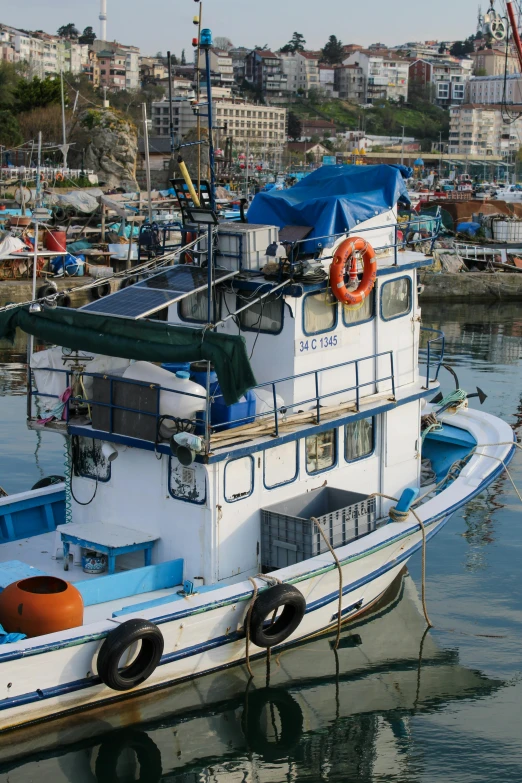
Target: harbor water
(394,703)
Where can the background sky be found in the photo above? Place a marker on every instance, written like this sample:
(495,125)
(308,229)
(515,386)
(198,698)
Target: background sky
(159,25)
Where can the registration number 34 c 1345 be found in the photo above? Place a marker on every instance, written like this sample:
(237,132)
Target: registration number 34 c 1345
(314,344)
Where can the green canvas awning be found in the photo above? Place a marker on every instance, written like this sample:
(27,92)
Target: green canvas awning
(150,341)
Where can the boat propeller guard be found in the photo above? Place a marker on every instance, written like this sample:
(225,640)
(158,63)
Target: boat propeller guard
(345,262)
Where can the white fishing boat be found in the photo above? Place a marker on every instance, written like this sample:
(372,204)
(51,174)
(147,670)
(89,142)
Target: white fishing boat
(205,518)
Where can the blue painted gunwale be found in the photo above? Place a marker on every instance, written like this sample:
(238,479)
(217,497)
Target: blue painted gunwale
(439,521)
(254,448)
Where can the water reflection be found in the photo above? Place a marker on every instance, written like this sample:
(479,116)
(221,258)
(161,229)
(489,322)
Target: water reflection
(315,714)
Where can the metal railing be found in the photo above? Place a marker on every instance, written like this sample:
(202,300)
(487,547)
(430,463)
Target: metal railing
(72,377)
(401,231)
(440,340)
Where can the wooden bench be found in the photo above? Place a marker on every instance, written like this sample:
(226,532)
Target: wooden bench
(111,540)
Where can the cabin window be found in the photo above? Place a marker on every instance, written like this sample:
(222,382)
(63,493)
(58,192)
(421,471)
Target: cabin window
(195,308)
(321,451)
(359,314)
(280,465)
(239,479)
(88,460)
(359,439)
(263,316)
(396,298)
(320,313)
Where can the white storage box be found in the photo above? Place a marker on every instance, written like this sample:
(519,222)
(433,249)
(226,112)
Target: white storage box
(243,245)
(507,230)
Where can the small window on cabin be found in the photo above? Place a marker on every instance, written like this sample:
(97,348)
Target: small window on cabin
(239,479)
(88,460)
(396,298)
(195,308)
(320,313)
(358,314)
(321,451)
(359,439)
(280,465)
(262,316)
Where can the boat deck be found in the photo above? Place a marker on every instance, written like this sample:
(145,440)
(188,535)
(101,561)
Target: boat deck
(44,552)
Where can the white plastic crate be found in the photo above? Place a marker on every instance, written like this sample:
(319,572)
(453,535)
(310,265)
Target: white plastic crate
(243,245)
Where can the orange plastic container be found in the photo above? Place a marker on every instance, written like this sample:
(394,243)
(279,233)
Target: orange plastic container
(40,605)
(56,241)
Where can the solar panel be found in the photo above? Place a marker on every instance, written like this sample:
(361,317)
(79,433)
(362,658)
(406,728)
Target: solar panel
(155,293)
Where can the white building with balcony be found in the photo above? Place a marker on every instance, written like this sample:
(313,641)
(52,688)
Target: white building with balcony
(385,74)
(491,90)
(302,71)
(483,130)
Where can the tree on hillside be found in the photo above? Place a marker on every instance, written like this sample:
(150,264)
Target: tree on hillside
(69,31)
(8,81)
(295,126)
(10,135)
(88,36)
(332,52)
(37,93)
(463,48)
(223,43)
(295,44)
(183,58)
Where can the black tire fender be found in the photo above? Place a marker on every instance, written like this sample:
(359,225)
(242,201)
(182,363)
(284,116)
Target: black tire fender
(48,289)
(63,300)
(127,281)
(98,291)
(118,642)
(147,753)
(289,720)
(48,481)
(293,604)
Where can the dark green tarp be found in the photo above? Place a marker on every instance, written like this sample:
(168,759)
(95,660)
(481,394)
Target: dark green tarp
(150,341)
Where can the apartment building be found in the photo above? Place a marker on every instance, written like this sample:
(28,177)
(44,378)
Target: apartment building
(490,90)
(184,118)
(221,68)
(385,74)
(45,54)
(447,79)
(482,130)
(264,71)
(131,64)
(264,127)
(492,62)
(350,83)
(302,71)
(327,81)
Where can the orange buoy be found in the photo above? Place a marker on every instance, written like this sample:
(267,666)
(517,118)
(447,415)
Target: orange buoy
(40,605)
(345,260)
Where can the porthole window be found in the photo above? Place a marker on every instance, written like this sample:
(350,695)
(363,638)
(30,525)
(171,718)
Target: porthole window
(321,451)
(320,313)
(396,298)
(239,479)
(359,439)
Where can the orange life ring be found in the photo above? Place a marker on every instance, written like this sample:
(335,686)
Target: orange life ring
(345,260)
(59,177)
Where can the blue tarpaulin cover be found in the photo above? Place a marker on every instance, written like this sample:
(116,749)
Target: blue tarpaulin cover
(332,199)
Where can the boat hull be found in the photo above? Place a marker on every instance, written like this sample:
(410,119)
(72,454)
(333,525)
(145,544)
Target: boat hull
(53,681)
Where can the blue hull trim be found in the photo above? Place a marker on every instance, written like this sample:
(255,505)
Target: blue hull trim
(78,685)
